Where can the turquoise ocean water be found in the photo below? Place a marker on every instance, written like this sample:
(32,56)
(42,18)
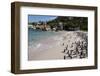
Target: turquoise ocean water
(37,38)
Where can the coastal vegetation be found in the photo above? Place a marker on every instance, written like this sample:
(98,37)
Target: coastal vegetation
(62,23)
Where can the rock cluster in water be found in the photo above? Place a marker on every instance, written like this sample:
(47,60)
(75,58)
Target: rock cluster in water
(75,45)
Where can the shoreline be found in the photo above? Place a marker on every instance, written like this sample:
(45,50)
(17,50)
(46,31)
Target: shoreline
(61,47)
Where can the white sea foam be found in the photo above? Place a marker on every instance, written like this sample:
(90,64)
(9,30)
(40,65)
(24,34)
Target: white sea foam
(38,45)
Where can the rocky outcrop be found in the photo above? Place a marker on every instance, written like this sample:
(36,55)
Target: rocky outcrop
(75,45)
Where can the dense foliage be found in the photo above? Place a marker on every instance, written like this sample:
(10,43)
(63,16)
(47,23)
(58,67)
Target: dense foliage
(68,23)
(71,22)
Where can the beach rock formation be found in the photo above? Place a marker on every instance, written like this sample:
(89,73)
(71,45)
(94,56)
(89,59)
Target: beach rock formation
(75,45)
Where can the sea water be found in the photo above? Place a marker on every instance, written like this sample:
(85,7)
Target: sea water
(38,39)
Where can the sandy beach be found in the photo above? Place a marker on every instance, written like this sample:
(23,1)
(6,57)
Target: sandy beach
(67,45)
